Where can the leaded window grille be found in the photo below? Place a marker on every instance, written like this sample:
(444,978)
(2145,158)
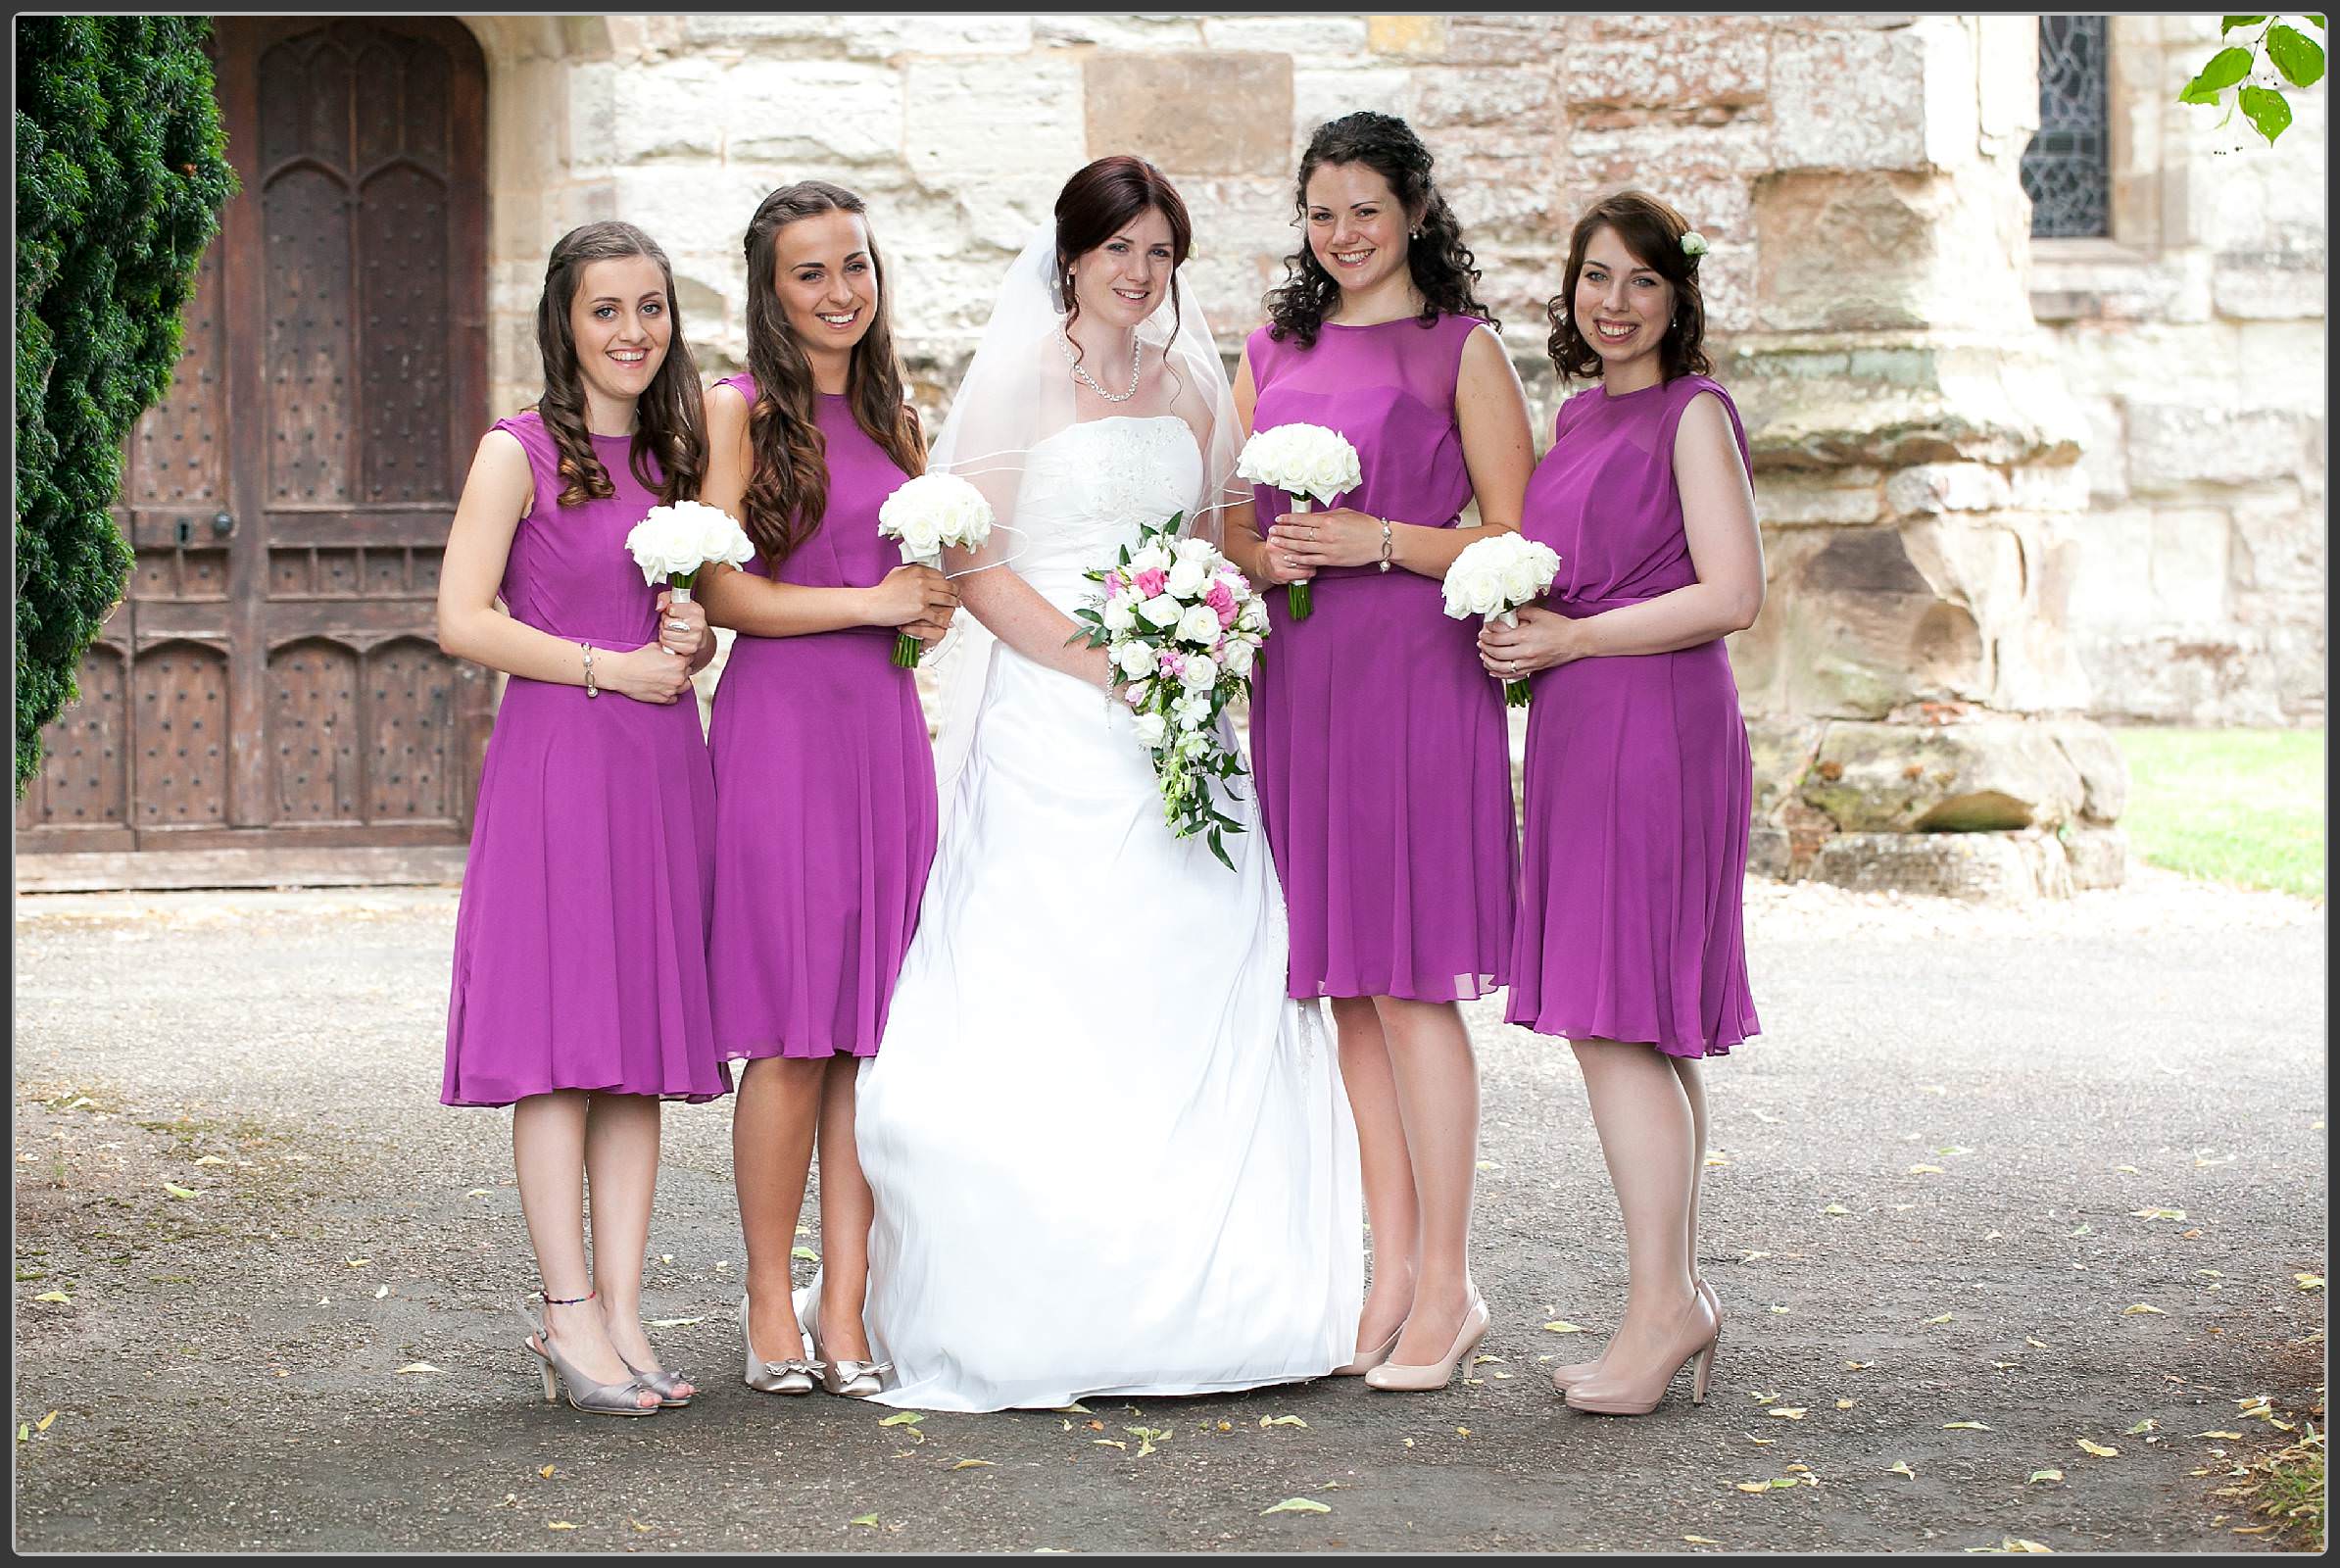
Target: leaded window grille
(2067,171)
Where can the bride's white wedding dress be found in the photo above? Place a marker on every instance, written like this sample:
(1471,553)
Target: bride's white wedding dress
(1109,1155)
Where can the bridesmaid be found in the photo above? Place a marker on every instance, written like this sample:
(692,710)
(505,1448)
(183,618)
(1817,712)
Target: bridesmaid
(1383,755)
(580,988)
(824,777)
(1638,781)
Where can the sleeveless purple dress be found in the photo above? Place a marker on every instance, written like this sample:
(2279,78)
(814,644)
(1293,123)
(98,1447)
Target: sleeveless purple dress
(824,794)
(1639,779)
(581,943)
(1380,745)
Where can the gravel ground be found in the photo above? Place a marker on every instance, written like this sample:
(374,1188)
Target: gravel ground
(2051,1169)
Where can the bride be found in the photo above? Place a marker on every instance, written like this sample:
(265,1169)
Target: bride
(1108,1155)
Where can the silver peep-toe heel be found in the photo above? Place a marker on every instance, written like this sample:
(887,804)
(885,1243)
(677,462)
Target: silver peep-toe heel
(792,1376)
(582,1392)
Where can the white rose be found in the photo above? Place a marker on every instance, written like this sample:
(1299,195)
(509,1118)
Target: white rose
(1519,582)
(921,540)
(1198,551)
(1199,625)
(1238,657)
(1134,657)
(1153,558)
(1484,595)
(1254,617)
(1186,578)
(1199,672)
(1160,610)
(1119,615)
(1150,728)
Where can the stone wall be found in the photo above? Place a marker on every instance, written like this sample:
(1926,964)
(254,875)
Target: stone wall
(2193,341)
(1959,505)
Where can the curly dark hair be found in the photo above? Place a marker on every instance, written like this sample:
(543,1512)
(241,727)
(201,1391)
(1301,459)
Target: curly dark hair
(669,428)
(1652,231)
(1442,265)
(788,486)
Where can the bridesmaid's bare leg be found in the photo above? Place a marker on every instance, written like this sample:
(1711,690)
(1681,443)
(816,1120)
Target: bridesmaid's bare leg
(548,1155)
(1390,1207)
(1646,1138)
(846,1207)
(621,1161)
(778,1104)
(1693,1088)
(1438,1097)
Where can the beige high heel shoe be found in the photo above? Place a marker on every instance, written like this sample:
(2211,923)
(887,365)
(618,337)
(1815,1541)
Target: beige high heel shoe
(1367,1360)
(581,1392)
(1397,1376)
(1567,1377)
(792,1376)
(1698,1332)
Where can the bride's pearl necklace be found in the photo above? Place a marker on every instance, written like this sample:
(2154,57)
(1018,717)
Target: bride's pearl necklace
(1064,346)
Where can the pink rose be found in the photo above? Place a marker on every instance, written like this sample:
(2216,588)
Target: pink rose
(1113,584)
(1221,598)
(1152,583)
(1170,662)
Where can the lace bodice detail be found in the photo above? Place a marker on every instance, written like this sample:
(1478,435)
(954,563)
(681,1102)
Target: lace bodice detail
(1091,486)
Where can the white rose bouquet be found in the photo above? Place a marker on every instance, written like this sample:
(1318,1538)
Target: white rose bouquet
(1492,578)
(922,515)
(1305,461)
(1184,629)
(673,541)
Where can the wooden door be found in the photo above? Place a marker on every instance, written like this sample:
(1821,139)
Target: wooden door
(272,680)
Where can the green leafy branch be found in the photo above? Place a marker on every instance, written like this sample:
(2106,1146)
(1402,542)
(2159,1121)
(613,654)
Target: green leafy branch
(2297,58)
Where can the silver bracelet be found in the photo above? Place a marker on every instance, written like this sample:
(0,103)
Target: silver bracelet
(590,690)
(1387,542)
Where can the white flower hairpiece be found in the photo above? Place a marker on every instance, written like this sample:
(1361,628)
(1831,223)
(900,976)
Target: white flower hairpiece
(1694,244)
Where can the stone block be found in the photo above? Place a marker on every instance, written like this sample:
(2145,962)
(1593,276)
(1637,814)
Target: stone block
(1409,36)
(1845,253)
(814,112)
(1192,111)
(1981,867)
(2007,105)
(2172,445)
(1510,39)
(2189,566)
(662,113)
(1486,96)
(1841,100)
(2098,856)
(1320,94)
(1726,66)
(1927,488)
(2277,285)
(1768,853)
(1324,38)
(592,115)
(2279,545)
(1782,750)
(1831,496)
(2096,756)
(869,38)
(2048,488)
(1118,32)
(1018,119)
(1976,776)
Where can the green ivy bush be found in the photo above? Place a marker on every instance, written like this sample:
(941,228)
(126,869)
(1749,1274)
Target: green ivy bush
(121,170)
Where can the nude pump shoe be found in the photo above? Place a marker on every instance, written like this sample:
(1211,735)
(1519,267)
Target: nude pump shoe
(1567,1377)
(1367,1360)
(1696,1336)
(1395,1374)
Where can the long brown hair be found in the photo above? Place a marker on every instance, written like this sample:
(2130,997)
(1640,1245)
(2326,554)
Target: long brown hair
(669,448)
(788,485)
(1652,231)
(1443,266)
(1098,201)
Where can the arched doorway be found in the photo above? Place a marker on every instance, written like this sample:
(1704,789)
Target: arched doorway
(269,700)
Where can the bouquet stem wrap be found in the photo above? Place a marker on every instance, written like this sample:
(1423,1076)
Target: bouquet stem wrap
(1515,692)
(1297,597)
(1492,578)
(1308,463)
(922,515)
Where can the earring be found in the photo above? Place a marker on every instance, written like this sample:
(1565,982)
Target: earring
(1416,235)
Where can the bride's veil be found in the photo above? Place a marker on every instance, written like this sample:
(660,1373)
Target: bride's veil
(1018,392)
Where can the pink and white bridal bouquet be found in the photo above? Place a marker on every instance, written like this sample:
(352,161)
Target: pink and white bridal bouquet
(673,540)
(1306,462)
(1183,628)
(1492,578)
(922,515)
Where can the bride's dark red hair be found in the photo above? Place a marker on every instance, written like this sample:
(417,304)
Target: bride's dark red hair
(1102,200)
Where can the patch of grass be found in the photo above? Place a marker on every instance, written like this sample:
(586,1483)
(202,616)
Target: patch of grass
(2242,807)
(2286,1488)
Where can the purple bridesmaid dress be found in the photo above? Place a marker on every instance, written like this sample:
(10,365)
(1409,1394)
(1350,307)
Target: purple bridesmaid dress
(1638,780)
(824,794)
(580,945)
(1380,745)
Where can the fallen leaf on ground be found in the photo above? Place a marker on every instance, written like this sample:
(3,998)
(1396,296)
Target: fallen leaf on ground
(1753,1486)
(2034,1343)
(2084,1230)
(1844,1404)
(476,1192)
(869,1519)
(1926,1170)
(2131,1170)
(414,1366)
(547,1472)
(211,1160)
(1701,1541)
(2103,1451)
(904,1418)
(2157,1213)
(1857,1367)
(1074,1409)
(674,1322)
(2310,1282)
(2230,1435)
(1964,1426)
(558,1524)
(970,1464)
(1282,1421)
(1462,1432)
(639,1524)
(44,1423)
(1750,1257)
(1110,1442)
(380,1290)
(59,1297)
(1782,1311)
(1901,1468)
(356,1263)
(2037,1476)
(23,1433)
(2143,1427)
(1835,1209)
(2131,1311)
(1760,1442)
(1955,1149)
(177,1191)
(804,1252)
(1944,1318)
(1792,1413)
(1298,1505)
(1559,1327)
